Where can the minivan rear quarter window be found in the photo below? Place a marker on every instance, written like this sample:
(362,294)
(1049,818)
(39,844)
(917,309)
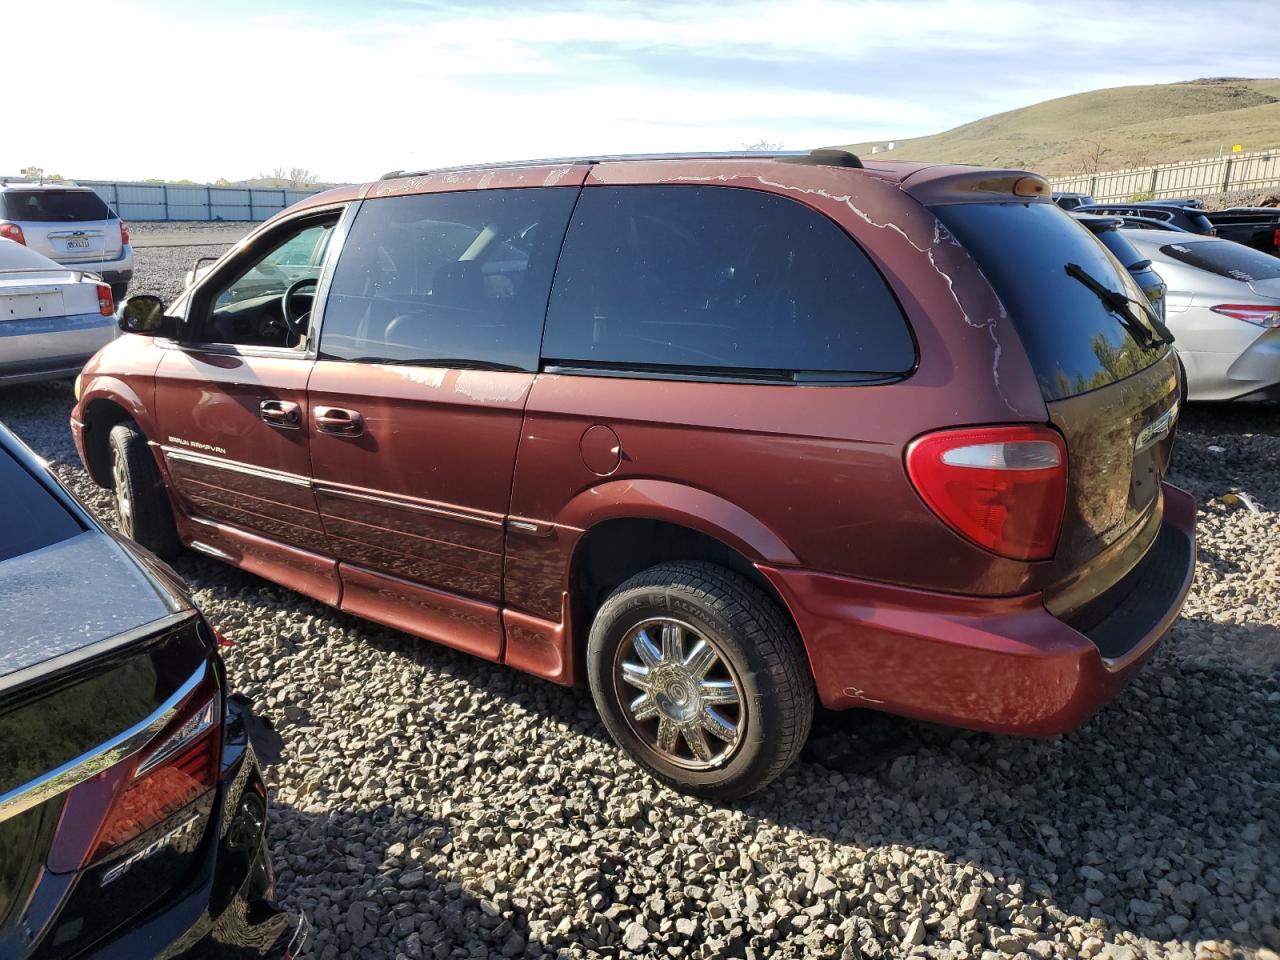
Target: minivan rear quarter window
(1075,342)
(1226,258)
(53,206)
(719,281)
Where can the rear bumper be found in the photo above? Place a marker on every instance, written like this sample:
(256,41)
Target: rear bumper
(119,268)
(45,348)
(226,911)
(115,276)
(1000,664)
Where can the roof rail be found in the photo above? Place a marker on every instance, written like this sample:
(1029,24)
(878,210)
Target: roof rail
(824,157)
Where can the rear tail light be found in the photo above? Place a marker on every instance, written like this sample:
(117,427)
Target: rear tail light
(179,766)
(1004,488)
(124,234)
(11,231)
(1275,239)
(1263,315)
(106,303)
(183,767)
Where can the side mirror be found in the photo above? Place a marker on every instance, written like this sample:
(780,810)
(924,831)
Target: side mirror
(142,314)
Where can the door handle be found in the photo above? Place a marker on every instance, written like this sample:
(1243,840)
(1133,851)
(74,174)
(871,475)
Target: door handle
(281,413)
(340,421)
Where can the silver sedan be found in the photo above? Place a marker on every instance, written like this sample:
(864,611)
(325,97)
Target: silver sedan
(1223,307)
(52,318)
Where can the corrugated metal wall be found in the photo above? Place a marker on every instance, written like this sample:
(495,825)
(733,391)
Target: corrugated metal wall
(164,201)
(1259,170)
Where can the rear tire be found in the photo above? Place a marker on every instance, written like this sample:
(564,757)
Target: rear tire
(702,678)
(143,512)
(118,291)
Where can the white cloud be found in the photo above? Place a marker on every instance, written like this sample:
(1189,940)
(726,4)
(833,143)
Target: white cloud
(207,92)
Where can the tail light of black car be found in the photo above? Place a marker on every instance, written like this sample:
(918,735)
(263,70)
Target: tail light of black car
(170,773)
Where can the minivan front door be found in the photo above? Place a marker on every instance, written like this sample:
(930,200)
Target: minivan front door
(231,406)
(428,348)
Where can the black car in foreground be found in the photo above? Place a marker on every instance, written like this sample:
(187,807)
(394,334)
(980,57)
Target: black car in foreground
(132,809)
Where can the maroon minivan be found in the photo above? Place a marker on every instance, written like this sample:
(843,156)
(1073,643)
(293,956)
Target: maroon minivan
(718,433)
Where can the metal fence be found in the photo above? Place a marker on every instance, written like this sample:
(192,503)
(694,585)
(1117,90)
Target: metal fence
(174,201)
(1258,170)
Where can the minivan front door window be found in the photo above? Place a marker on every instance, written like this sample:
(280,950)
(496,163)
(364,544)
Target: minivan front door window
(250,308)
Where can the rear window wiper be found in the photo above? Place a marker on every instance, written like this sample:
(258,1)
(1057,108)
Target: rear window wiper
(457,363)
(1122,306)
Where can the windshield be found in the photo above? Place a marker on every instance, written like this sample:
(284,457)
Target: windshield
(53,206)
(1076,340)
(1226,258)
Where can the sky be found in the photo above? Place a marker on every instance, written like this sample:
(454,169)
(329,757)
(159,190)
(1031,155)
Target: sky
(350,89)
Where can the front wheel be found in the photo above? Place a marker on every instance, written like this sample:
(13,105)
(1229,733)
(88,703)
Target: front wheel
(701,677)
(143,513)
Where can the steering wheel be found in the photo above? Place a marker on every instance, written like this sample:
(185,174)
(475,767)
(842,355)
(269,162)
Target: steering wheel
(296,322)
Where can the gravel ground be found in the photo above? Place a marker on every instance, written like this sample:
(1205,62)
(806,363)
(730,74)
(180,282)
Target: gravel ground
(1243,198)
(429,804)
(161,269)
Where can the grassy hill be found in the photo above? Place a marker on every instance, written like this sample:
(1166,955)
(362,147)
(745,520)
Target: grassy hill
(1111,129)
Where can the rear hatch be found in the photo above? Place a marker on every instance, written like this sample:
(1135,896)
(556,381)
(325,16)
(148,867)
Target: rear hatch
(70,226)
(1109,380)
(91,646)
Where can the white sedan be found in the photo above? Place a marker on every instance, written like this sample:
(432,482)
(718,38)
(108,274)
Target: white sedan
(52,318)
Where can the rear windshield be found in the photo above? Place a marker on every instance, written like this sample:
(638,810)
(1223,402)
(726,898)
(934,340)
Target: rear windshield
(54,206)
(1074,341)
(1226,258)
(34,518)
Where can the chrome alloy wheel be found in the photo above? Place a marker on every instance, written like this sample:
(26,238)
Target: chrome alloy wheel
(124,506)
(678,694)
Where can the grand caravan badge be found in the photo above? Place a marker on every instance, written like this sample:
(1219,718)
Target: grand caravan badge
(1156,430)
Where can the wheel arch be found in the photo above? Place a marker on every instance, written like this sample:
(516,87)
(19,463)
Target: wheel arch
(630,526)
(100,413)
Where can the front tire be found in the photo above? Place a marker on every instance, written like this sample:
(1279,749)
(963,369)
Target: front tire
(143,512)
(702,678)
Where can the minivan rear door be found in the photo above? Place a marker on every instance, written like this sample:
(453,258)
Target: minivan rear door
(1109,380)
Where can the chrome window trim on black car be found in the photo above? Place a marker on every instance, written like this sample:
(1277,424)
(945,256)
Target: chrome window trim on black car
(106,755)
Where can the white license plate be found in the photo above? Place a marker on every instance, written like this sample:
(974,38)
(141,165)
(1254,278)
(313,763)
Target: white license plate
(77,244)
